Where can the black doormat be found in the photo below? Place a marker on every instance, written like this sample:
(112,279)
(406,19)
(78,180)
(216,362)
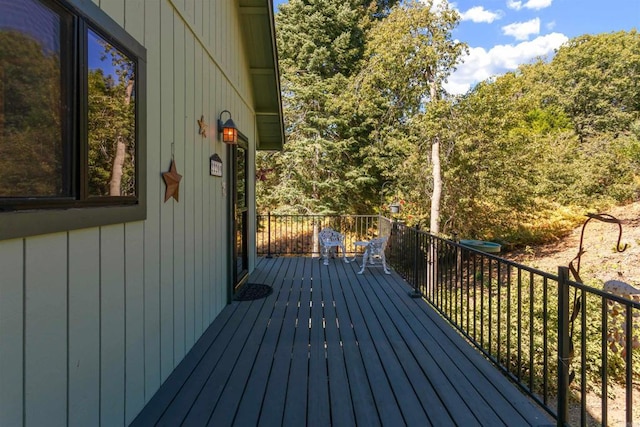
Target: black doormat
(251,291)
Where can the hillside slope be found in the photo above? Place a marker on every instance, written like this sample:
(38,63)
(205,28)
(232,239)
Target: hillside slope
(600,261)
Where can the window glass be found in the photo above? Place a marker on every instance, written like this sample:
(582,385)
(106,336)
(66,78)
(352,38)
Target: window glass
(111,120)
(241,177)
(32,150)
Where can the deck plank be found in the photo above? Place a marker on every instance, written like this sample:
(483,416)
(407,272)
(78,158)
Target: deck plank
(413,356)
(449,383)
(391,350)
(386,403)
(296,403)
(330,347)
(318,395)
(362,399)
(275,397)
(251,401)
(341,409)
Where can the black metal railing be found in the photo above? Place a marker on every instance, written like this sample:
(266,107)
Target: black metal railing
(297,234)
(563,343)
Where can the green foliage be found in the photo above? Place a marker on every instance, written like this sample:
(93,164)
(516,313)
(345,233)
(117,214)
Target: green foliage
(515,319)
(595,82)
(523,155)
(111,119)
(31,143)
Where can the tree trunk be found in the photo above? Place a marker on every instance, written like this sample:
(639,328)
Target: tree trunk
(434,227)
(116,171)
(118,160)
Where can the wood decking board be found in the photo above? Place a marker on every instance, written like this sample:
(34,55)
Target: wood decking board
(256,363)
(295,411)
(248,412)
(330,347)
(361,394)
(421,370)
(386,401)
(318,402)
(449,387)
(203,367)
(274,399)
(341,409)
(379,328)
(493,387)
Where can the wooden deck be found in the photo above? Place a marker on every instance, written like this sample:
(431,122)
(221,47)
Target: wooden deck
(330,347)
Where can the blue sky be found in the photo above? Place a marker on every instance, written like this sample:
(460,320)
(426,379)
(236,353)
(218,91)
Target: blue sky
(503,34)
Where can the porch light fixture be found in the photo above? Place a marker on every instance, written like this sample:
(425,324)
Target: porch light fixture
(228,130)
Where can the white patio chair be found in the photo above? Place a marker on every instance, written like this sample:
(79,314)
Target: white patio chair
(374,254)
(330,240)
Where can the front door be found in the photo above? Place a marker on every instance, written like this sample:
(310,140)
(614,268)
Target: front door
(239,212)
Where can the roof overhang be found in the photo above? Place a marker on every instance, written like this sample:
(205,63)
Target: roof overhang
(258,28)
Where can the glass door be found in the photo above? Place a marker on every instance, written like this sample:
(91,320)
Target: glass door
(239,213)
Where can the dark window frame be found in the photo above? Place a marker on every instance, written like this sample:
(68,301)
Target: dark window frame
(23,217)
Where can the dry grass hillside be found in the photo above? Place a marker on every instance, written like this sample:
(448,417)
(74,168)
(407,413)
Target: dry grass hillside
(600,261)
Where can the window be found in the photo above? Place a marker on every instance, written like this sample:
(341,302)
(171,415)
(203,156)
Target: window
(72,149)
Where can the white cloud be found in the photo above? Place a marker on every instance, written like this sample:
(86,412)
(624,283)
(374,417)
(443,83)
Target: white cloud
(480,14)
(437,4)
(522,30)
(531,4)
(511,4)
(480,64)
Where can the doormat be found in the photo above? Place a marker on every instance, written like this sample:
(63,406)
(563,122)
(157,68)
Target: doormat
(251,291)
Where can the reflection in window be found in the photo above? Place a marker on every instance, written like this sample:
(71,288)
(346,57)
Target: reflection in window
(31,139)
(241,178)
(111,120)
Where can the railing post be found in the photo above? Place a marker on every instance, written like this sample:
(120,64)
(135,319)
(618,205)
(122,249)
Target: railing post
(563,345)
(269,234)
(415,293)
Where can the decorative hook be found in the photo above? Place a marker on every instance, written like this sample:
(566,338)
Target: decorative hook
(600,217)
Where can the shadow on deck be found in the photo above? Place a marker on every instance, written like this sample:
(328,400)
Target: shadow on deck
(330,347)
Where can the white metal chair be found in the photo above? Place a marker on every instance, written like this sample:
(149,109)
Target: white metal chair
(374,253)
(330,240)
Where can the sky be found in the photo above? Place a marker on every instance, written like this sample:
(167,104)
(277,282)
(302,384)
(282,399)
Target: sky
(503,34)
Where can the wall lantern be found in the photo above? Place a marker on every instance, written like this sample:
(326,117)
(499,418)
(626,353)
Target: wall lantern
(228,130)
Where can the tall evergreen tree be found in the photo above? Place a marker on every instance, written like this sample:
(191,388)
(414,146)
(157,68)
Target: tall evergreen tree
(321,43)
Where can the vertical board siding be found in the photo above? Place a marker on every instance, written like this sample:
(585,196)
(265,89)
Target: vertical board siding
(94,320)
(192,138)
(204,272)
(181,120)
(134,320)
(84,327)
(155,196)
(168,149)
(112,324)
(11,331)
(45,330)
(134,19)
(201,166)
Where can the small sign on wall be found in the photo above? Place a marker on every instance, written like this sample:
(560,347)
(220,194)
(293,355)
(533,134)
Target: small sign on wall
(215,163)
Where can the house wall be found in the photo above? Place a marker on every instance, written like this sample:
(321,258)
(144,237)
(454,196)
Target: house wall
(92,321)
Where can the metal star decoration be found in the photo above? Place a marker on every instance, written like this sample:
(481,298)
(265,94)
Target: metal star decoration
(172,180)
(203,127)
